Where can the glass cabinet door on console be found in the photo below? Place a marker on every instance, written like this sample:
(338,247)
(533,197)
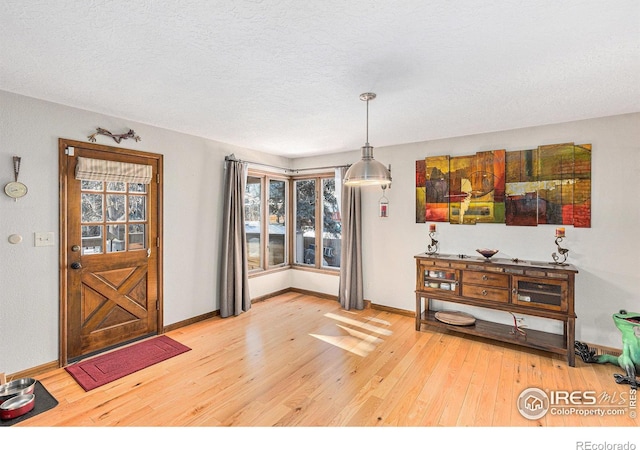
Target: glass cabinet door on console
(540,293)
(438,278)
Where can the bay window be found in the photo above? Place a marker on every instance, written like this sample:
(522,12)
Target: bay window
(311,239)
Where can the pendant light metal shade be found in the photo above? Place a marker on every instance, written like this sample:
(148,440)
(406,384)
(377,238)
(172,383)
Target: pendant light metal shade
(367,171)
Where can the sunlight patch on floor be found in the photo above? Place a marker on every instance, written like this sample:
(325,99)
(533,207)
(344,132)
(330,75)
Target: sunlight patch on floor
(348,343)
(359,324)
(382,321)
(360,335)
(355,341)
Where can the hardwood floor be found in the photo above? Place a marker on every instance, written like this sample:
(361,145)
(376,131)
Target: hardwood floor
(300,361)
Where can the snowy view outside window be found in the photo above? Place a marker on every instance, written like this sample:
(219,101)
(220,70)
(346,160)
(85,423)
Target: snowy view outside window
(269,225)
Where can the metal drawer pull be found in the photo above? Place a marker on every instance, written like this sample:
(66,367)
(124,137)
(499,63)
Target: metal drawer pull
(484,292)
(485,278)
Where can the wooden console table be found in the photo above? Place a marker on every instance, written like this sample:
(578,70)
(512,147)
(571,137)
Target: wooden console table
(520,287)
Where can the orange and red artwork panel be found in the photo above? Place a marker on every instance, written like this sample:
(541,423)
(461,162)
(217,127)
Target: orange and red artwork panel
(547,185)
(437,189)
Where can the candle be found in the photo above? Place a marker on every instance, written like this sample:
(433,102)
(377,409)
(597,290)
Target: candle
(560,232)
(432,227)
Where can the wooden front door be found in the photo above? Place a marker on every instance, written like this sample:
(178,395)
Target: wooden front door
(110,253)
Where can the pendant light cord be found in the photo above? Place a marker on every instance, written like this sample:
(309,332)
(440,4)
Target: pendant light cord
(367,122)
(366,97)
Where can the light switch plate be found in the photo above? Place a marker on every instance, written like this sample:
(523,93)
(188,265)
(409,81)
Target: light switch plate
(44,239)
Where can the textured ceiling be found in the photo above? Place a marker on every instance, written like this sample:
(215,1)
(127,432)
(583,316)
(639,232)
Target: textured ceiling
(284,76)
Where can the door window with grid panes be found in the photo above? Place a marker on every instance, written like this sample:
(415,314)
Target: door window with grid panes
(113,216)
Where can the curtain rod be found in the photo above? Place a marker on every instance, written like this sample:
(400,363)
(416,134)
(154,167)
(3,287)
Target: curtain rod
(233,158)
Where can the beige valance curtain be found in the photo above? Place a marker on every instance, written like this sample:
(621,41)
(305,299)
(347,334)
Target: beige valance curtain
(103,170)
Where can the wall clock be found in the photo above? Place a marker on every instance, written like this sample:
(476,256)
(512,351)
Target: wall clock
(15,189)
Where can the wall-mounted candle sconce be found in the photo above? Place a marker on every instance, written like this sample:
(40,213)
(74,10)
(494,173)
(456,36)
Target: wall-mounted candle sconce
(384,203)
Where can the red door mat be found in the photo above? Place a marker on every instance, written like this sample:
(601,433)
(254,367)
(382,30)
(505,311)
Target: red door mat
(103,369)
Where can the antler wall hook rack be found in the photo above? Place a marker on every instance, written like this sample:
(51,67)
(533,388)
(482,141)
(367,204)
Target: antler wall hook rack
(116,137)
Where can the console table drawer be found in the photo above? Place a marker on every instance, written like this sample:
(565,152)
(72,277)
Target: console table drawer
(486,279)
(485,293)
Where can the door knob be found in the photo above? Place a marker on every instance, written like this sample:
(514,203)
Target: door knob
(76,265)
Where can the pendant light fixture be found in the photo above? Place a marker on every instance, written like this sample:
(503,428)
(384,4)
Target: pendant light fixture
(367,171)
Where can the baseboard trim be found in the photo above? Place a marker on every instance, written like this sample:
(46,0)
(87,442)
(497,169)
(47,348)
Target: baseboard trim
(200,318)
(401,312)
(602,350)
(34,371)
(315,294)
(184,323)
(268,296)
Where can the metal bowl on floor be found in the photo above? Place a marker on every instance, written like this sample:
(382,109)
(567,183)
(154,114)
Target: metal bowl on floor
(21,386)
(17,406)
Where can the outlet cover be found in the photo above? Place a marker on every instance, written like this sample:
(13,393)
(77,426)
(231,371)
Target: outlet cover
(43,239)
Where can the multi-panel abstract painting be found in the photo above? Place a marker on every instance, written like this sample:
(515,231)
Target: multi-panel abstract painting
(550,184)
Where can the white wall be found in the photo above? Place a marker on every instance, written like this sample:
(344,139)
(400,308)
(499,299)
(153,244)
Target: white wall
(607,255)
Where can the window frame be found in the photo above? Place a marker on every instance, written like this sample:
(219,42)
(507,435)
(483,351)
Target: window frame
(319,225)
(290,224)
(265,179)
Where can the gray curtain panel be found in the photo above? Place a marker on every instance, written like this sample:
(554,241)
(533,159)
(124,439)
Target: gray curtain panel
(351,291)
(234,268)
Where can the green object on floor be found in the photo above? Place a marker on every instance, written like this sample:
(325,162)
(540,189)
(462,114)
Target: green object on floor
(629,359)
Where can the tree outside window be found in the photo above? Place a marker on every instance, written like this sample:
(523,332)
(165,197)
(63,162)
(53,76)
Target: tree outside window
(331,224)
(277,248)
(310,248)
(305,212)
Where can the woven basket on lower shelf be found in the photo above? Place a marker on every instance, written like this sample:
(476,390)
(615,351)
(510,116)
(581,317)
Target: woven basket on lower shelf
(455,318)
